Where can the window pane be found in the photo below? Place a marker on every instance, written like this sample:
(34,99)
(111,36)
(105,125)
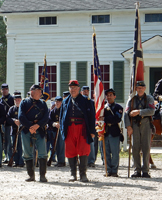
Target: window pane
(53,69)
(54,20)
(94,19)
(48,20)
(53,78)
(41,21)
(100,18)
(107,18)
(153,17)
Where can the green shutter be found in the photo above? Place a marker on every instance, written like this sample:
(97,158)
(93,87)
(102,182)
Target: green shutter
(29,76)
(64,76)
(82,73)
(118,73)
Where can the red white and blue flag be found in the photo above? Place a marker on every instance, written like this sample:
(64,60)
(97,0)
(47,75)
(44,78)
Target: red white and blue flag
(137,73)
(44,82)
(98,86)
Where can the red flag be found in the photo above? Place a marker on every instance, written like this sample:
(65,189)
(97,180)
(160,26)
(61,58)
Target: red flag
(137,73)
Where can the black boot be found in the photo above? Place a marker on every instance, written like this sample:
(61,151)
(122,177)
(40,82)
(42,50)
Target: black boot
(30,170)
(83,168)
(72,163)
(42,169)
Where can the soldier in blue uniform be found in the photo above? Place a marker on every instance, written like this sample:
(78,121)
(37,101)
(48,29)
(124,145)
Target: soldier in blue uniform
(8,101)
(77,125)
(54,120)
(2,120)
(91,157)
(33,115)
(12,119)
(65,94)
(112,116)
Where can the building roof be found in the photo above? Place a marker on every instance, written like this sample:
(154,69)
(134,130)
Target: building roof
(21,6)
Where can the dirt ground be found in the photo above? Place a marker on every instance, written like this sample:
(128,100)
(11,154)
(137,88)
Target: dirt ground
(14,186)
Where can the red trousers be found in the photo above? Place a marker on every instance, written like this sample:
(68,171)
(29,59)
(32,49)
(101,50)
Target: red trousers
(75,143)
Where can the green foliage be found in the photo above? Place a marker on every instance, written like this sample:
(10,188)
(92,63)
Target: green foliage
(3,49)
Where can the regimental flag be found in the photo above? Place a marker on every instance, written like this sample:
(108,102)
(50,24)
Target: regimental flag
(137,73)
(98,90)
(44,82)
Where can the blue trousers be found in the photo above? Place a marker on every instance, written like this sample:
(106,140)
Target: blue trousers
(112,146)
(18,155)
(1,148)
(50,141)
(27,145)
(7,145)
(91,157)
(60,149)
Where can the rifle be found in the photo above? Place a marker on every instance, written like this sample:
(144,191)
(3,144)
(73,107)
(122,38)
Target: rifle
(54,148)
(15,147)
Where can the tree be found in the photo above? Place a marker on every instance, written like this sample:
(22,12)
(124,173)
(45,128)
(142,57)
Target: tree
(3,49)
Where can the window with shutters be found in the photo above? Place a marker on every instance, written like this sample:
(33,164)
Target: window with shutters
(29,76)
(64,76)
(51,71)
(105,77)
(118,79)
(81,73)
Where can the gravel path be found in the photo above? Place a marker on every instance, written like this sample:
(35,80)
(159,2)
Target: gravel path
(14,187)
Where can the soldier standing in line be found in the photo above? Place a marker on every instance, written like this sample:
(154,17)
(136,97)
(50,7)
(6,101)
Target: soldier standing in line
(77,126)
(54,120)
(140,112)
(112,116)
(91,157)
(33,115)
(12,119)
(8,101)
(2,120)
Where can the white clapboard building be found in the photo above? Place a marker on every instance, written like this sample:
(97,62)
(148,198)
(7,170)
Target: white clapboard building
(63,31)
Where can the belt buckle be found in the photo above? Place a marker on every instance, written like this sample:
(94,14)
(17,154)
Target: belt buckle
(108,124)
(72,120)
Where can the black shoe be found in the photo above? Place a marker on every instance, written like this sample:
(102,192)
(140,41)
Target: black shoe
(15,165)
(108,174)
(5,162)
(114,174)
(60,165)
(20,165)
(136,174)
(146,175)
(91,165)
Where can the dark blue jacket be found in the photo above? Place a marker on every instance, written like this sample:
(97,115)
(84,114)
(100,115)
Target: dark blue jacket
(53,117)
(113,120)
(38,112)
(11,115)
(2,114)
(88,113)
(7,101)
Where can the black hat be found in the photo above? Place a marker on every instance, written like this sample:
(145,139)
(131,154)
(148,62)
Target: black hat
(66,93)
(110,90)
(35,87)
(4,86)
(17,96)
(17,92)
(85,88)
(58,98)
(73,83)
(140,83)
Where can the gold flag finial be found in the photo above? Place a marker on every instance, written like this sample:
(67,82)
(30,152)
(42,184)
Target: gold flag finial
(137,4)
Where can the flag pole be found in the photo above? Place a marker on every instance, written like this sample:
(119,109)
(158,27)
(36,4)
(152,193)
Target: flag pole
(137,4)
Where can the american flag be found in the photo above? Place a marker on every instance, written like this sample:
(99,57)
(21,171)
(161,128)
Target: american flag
(137,73)
(44,82)
(98,86)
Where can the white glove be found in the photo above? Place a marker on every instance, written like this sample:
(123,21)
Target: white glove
(160,98)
